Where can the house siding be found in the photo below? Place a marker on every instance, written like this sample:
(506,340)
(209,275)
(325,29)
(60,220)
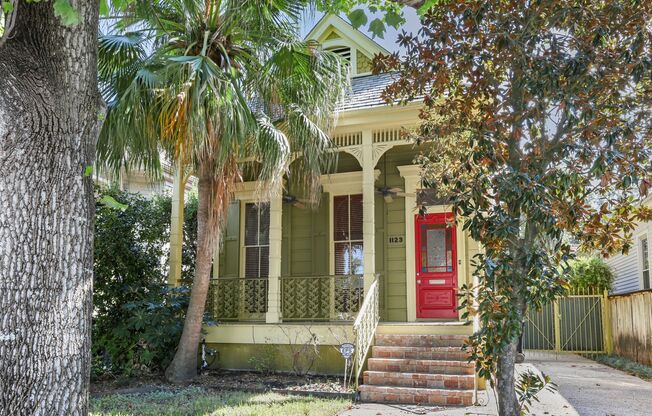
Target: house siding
(627,268)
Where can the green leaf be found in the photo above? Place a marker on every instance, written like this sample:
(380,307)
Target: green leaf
(427,5)
(394,19)
(110,202)
(358,18)
(104,8)
(377,28)
(7,7)
(64,11)
(88,171)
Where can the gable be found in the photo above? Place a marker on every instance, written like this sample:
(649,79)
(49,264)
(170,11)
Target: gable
(337,35)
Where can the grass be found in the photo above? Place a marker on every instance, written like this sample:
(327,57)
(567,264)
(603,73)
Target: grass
(194,401)
(621,363)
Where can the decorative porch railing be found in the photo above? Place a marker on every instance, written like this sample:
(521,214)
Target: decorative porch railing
(306,298)
(364,327)
(321,298)
(237,299)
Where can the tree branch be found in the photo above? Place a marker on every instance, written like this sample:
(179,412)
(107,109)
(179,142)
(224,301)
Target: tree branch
(411,3)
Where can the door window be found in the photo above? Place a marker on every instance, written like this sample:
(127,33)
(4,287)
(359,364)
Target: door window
(436,248)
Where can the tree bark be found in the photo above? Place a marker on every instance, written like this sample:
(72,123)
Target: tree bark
(49,123)
(506,381)
(184,365)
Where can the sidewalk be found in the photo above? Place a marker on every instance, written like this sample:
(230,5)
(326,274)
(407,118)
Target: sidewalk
(595,389)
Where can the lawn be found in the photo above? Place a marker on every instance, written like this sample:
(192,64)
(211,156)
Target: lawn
(194,401)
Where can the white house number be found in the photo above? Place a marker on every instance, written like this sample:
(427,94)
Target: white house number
(396,240)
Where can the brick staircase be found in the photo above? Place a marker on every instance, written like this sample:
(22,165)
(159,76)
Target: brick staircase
(418,369)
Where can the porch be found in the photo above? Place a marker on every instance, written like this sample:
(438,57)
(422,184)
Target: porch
(360,265)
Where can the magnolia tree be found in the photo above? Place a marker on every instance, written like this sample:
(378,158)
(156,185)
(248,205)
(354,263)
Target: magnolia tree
(540,120)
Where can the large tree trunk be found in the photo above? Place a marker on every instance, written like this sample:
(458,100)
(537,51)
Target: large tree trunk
(184,365)
(49,124)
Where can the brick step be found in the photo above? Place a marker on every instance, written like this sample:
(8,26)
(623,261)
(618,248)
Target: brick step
(420,353)
(387,340)
(419,380)
(411,395)
(404,365)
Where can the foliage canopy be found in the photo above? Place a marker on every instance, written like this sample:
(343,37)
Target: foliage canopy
(549,104)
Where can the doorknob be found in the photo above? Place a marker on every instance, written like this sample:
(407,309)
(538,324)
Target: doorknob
(419,281)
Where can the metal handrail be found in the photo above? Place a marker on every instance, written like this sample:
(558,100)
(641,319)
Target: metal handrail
(364,327)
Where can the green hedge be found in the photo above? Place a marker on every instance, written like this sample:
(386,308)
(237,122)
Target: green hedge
(137,319)
(590,272)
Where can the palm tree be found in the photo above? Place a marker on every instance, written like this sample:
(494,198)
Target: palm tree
(211,83)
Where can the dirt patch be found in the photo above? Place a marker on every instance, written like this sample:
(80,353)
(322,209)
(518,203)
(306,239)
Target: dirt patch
(224,380)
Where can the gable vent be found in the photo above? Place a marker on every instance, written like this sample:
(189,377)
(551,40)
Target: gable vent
(344,52)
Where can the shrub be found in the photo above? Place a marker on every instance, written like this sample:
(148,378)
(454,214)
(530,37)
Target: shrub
(590,272)
(137,319)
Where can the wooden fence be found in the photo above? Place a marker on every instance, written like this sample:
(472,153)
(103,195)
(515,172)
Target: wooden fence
(631,323)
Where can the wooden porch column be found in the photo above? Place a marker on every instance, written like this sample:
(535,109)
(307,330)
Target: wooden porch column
(275,240)
(368,210)
(410,174)
(176,226)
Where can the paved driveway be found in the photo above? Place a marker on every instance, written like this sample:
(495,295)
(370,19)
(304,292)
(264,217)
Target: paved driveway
(595,389)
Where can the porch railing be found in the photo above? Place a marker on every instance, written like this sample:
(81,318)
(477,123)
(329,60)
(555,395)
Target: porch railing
(364,327)
(304,298)
(321,298)
(238,299)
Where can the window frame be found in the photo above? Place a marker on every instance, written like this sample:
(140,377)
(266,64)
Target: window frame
(244,245)
(336,184)
(643,259)
(349,241)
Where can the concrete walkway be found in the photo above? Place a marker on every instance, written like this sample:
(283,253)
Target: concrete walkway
(595,389)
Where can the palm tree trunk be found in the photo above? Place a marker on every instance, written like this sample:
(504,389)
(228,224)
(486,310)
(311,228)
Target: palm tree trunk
(49,123)
(184,365)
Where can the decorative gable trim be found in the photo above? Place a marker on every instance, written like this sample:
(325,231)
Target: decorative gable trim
(334,32)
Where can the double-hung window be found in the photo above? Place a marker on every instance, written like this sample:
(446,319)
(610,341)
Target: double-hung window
(256,256)
(347,234)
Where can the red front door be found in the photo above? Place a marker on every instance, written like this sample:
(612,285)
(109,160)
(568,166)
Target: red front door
(436,263)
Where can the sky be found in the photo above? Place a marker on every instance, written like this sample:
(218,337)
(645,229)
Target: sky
(389,41)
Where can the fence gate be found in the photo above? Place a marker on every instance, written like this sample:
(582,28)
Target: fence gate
(578,322)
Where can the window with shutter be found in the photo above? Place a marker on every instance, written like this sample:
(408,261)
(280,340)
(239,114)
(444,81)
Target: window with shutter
(347,234)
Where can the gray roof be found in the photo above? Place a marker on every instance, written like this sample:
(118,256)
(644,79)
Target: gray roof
(366,91)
